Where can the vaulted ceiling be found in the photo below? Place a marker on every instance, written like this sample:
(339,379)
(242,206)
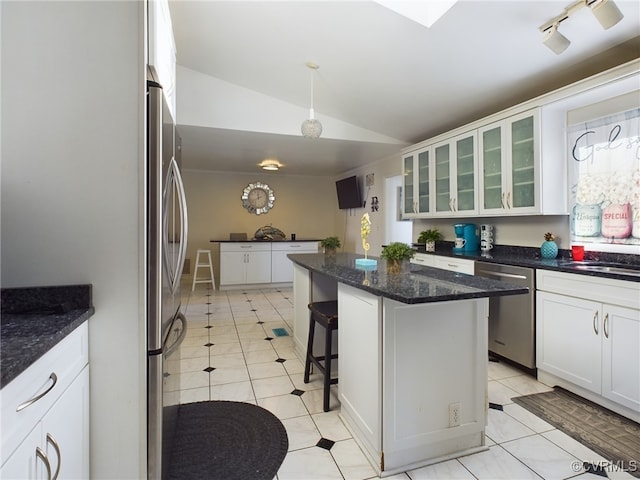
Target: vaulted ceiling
(384,80)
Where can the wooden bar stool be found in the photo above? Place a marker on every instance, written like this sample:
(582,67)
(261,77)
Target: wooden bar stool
(325,314)
(203,264)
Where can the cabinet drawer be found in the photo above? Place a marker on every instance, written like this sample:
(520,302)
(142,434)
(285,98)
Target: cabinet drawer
(295,247)
(424,259)
(245,247)
(66,360)
(599,289)
(455,264)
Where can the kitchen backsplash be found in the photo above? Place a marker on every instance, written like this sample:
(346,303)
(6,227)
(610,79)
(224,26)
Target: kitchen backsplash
(526,231)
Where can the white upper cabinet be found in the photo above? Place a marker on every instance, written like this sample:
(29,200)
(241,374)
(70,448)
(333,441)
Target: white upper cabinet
(513,162)
(162,50)
(455,178)
(417,168)
(509,165)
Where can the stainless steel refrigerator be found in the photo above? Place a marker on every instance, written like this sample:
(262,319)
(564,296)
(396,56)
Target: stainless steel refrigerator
(167,228)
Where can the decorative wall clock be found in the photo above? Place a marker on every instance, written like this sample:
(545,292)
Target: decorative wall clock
(258,198)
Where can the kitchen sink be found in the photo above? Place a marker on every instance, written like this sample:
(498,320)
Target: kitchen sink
(617,268)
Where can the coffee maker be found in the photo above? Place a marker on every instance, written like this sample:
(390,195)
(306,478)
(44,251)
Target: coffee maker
(467,239)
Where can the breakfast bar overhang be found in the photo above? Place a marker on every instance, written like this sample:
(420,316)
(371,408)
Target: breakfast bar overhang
(412,355)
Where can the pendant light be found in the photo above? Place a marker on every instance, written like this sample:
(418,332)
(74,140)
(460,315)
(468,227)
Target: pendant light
(311,128)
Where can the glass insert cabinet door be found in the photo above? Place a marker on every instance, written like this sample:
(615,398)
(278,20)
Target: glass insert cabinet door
(409,201)
(522,163)
(424,205)
(465,174)
(491,149)
(443,178)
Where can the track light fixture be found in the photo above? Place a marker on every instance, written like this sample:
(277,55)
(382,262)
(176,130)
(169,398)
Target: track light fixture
(556,41)
(605,11)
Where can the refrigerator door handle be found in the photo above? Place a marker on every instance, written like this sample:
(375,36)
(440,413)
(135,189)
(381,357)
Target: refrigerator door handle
(174,190)
(184,222)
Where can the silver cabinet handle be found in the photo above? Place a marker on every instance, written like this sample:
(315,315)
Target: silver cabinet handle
(502,200)
(54,378)
(295,246)
(595,320)
(56,447)
(604,325)
(504,275)
(43,456)
(245,246)
(508,199)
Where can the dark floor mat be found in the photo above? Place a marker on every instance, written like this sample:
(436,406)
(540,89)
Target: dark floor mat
(227,441)
(613,436)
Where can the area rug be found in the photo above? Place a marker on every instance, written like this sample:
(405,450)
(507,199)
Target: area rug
(612,436)
(227,441)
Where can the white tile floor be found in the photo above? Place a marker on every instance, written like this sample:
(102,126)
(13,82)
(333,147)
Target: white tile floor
(231,353)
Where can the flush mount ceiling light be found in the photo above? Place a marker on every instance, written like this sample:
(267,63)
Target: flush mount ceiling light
(605,11)
(311,127)
(271,165)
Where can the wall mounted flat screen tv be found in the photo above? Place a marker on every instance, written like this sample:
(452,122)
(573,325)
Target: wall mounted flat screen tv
(348,193)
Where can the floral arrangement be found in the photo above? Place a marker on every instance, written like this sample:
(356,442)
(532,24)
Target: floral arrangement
(549,237)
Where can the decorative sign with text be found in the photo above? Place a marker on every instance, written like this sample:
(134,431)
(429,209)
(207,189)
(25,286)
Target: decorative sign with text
(604,172)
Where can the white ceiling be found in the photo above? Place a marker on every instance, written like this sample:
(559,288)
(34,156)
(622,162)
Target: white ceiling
(379,71)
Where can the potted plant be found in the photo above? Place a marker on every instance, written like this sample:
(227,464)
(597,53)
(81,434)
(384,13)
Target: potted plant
(395,253)
(549,248)
(429,238)
(330,244)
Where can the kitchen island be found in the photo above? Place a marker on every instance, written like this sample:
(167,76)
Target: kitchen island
(412,355)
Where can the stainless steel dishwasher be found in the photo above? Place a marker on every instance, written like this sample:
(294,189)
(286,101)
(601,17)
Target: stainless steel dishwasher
(512,328)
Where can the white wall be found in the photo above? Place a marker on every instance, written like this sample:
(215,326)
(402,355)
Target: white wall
(304,205)
(348,221)
(72,125)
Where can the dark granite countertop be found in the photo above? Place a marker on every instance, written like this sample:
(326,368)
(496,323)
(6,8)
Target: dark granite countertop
(34,319)
(257,240)
(416,284)
(530,257)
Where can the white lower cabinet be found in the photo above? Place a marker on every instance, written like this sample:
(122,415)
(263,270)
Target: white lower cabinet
(424,259)
(460,265)
(58,447)
(281,266)
(245,263)
(390,357)
(621,356)
(52,433)
(587,341)
(359,346)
